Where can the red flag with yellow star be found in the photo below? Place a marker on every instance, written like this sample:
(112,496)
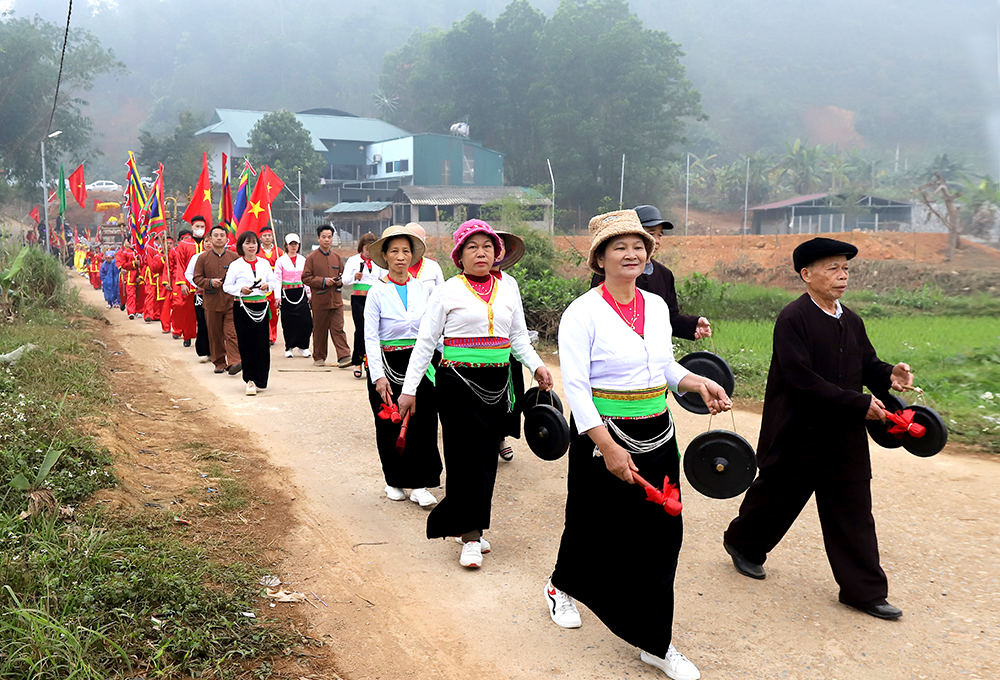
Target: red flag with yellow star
(201,199)
(78,186)
(258,210)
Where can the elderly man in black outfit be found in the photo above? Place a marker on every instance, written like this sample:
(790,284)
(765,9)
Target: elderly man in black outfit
(813,436)
(658,279)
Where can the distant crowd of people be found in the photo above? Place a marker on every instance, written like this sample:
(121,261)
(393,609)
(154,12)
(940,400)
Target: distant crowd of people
(450,353)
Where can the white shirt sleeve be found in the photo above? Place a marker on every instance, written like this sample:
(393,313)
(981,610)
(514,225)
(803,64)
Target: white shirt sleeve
(231,284)
(431,329)
(189,272)
(576,336)
(373,347)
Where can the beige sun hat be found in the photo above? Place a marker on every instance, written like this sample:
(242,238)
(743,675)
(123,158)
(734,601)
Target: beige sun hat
(375,249)
(418,230)
(514,249)
(609,225)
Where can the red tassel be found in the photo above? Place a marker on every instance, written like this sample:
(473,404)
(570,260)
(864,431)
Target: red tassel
(669,498)
(903,424)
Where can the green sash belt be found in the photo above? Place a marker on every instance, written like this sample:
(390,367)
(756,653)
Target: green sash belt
(407,343)
(477,356)
(630,403)
(362,288)
(254,298)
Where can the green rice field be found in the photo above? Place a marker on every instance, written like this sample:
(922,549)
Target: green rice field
(955,360)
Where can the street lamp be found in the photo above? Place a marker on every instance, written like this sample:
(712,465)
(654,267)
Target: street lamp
(45,193)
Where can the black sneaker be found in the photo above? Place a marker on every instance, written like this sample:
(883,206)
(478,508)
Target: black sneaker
(187,343)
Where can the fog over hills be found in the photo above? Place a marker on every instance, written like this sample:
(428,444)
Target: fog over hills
(915,74)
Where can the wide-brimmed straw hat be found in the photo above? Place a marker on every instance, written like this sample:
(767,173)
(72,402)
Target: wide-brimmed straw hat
(609,225)
(467,229)
(417,230)
(375,249)
(513,247)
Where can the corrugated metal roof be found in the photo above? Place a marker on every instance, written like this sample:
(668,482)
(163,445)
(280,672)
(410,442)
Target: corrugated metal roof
(470,195)
(238,123)
(361,207)
(788,202)
(865,200)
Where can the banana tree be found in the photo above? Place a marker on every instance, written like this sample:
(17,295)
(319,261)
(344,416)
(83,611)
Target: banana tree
(7,277)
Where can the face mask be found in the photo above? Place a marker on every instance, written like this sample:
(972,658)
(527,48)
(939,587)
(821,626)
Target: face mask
(199,232)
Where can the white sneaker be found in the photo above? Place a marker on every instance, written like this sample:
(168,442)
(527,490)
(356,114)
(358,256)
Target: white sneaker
(484,545)
(472,555)
(204,360)
(288,354)
(251,389)
(423,497)
(394,493)
(562,608)
(676,665)
(305,352)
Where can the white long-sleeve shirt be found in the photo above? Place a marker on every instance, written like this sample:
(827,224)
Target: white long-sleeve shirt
(369,277)
(189,272)
(454,311)
(387,319)
(597,349)
(241,273)
(430,275)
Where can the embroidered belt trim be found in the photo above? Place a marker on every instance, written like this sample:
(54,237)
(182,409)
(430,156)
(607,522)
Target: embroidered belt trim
(294,284)
(643,403)
(255,298)
(396,345)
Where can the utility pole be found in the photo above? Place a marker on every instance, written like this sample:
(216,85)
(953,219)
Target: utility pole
(621,189)
(552,216)
(300,204)
(45,193)
(687,194)
(746,204)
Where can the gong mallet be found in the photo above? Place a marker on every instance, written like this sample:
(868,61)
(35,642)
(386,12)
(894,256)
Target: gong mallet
(669,498)
(401,439)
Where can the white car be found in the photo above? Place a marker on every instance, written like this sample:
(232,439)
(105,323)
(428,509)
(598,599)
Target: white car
(104,185)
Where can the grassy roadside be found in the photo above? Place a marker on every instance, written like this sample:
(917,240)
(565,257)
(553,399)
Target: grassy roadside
(89,593)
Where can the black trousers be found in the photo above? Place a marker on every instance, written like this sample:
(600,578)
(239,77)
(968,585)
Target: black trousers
(358,314)
(201,344)
(254,341)
(607,521)
(774,501)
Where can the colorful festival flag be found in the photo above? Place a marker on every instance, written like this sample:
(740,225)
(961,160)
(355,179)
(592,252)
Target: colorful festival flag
(78,186)
(240,205)
(34,215)
(61,190)
(226,204)
(135,199)
(201,199)
(258,210)
(153,214)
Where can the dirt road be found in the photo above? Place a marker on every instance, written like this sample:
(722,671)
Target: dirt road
(400,606)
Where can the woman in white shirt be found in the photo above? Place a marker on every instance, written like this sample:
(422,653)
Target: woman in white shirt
(395,306)
(361,274)
(617,364)
(514,249)
(296,319)
(424,269)
(478,318)
(248,280)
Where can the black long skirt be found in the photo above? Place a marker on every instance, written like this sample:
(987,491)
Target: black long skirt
(358,314)
(419,465)
(471,431)
(618,553)
(201,346)
(254,342)
(296,319)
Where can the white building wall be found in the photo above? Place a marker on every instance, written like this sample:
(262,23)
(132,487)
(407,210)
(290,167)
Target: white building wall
(394,150)
(223,144)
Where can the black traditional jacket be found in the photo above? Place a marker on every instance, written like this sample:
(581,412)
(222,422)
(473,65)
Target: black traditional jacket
(814,407)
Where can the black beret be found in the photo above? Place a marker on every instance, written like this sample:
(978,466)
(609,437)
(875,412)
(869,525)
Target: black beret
(650,216)
(817,248)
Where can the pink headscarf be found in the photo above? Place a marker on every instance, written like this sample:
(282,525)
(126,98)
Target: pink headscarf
(467,229)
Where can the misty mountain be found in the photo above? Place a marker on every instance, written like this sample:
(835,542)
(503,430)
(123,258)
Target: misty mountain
(916,74)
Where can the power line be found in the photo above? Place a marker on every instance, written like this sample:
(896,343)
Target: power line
(62,58)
